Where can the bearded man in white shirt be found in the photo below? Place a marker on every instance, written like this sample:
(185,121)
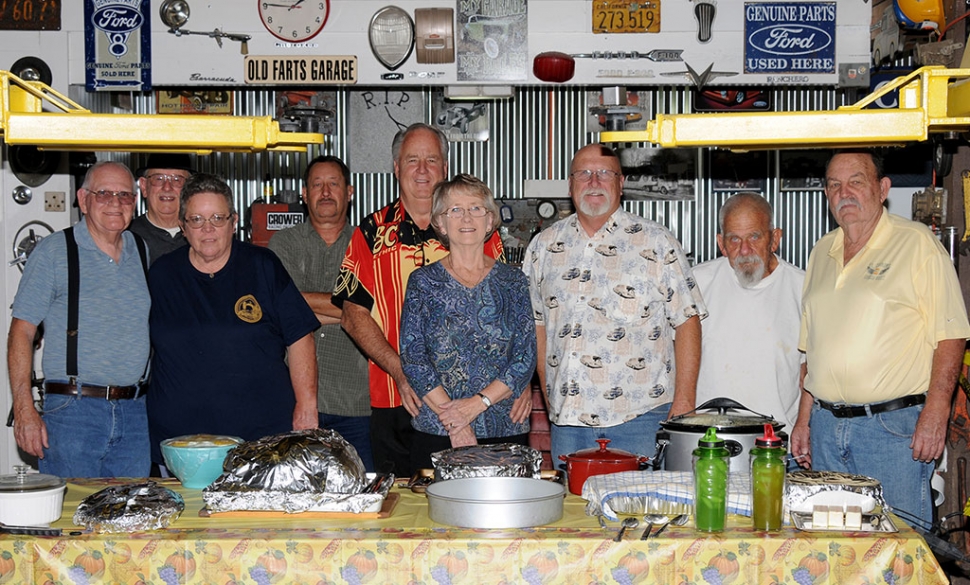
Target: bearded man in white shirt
(749,341)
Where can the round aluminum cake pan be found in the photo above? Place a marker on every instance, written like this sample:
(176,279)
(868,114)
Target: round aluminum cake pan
(495,502)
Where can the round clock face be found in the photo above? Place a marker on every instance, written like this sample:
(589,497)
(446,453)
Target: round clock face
(547,209)
(294,20)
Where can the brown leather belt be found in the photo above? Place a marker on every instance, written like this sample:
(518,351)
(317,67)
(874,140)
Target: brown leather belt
(106,392)
(854,410)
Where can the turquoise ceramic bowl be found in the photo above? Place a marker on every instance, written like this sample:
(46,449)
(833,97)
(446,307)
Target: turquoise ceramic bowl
(197,459)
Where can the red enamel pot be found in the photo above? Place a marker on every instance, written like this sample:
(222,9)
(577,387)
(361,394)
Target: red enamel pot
(584,464)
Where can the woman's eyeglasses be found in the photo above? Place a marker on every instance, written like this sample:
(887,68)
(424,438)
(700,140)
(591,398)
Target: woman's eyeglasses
(459,212)
(197,221)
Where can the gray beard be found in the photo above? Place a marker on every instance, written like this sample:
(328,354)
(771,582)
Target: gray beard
(593,210)
(752,271)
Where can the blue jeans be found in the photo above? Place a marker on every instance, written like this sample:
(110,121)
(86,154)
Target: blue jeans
(876,446)
(355,430)
(94,437)
(637,436)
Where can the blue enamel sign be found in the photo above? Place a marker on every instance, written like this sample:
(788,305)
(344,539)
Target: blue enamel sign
(117,45)
(789,37)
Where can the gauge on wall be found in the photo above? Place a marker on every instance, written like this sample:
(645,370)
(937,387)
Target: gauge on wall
(294,21)
(547,209)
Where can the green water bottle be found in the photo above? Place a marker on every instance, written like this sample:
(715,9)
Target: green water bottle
(710,482)
(767,480)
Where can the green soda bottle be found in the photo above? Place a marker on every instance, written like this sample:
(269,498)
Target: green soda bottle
(767,480)
(710,482)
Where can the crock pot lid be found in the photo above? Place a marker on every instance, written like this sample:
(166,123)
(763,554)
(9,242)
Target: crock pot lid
(728,422)
(602,453)
(29,482)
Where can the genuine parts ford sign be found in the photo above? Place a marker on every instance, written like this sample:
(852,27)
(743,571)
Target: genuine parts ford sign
(784,39)
(789,37)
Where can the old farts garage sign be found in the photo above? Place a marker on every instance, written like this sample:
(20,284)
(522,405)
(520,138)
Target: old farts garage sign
(329,70)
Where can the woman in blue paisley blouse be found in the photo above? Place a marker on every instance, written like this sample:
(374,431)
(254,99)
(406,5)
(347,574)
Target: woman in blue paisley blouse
(468,343)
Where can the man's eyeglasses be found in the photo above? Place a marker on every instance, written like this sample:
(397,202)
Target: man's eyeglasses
(459,212)
(158,180)
(586,175)
(197,221)
(104,196)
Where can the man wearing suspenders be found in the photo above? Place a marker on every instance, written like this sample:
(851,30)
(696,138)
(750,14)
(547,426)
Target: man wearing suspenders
(87,286)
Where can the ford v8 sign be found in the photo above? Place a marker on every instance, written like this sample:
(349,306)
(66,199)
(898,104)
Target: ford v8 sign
(789,37)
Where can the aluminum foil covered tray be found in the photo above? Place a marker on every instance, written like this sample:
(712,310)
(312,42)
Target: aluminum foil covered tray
(806,489)
(501,460)
(127,508)
(301,471)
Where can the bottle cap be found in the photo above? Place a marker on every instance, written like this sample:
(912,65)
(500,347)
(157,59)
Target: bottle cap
(770,439)
(710,440)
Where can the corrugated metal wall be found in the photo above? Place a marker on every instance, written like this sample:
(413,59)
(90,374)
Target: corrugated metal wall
(532,136)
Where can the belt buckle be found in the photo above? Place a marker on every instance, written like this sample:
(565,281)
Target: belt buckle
(107,392)
(840,410)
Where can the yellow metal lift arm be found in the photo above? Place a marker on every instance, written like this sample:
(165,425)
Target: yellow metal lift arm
(76,128)
(931,100)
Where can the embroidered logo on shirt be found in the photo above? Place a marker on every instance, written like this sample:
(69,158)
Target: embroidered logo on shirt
(877,271)
(248,309)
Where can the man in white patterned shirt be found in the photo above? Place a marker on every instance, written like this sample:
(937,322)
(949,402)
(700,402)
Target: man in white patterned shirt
(609,289)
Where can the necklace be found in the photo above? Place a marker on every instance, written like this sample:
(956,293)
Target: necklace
(478,276)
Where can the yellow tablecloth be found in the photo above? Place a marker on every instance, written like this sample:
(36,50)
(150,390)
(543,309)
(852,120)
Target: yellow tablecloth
(408,548)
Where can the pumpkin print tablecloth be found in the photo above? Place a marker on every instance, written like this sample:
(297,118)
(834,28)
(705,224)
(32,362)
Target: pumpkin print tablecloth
(408,548)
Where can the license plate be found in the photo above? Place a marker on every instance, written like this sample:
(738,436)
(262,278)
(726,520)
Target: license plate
(624,16)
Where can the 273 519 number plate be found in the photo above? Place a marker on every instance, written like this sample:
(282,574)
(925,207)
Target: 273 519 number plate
(626,16)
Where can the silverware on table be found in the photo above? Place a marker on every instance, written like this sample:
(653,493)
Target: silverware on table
(628,522)
(646,533)
(678,520)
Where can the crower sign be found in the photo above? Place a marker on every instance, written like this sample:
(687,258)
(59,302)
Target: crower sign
(789,37)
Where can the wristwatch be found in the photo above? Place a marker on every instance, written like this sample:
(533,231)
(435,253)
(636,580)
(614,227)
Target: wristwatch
(485,400)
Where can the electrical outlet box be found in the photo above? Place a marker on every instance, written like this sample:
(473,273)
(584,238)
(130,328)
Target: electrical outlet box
(54,201)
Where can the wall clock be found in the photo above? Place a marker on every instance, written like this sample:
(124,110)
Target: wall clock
(294,21)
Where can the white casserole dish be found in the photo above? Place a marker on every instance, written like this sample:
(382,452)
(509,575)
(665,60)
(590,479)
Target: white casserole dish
(31,499)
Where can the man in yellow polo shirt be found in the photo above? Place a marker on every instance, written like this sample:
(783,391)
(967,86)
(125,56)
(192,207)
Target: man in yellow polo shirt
(884,328)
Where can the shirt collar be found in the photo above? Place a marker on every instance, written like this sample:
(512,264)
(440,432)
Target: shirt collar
(879,239)
(82,235)
(612,224)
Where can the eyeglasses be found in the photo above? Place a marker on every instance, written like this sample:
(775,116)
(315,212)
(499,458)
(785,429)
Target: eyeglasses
(197,221)
(459,212)
(158,180)
(104,196)
(586,175)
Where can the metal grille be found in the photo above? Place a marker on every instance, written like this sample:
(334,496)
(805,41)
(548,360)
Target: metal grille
(532,136)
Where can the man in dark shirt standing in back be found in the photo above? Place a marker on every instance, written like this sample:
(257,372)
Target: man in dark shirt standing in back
(160,182)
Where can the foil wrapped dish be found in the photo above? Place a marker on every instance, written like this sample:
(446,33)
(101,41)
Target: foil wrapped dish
(500,460)
(128,508)
(314,470)
(805,489)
